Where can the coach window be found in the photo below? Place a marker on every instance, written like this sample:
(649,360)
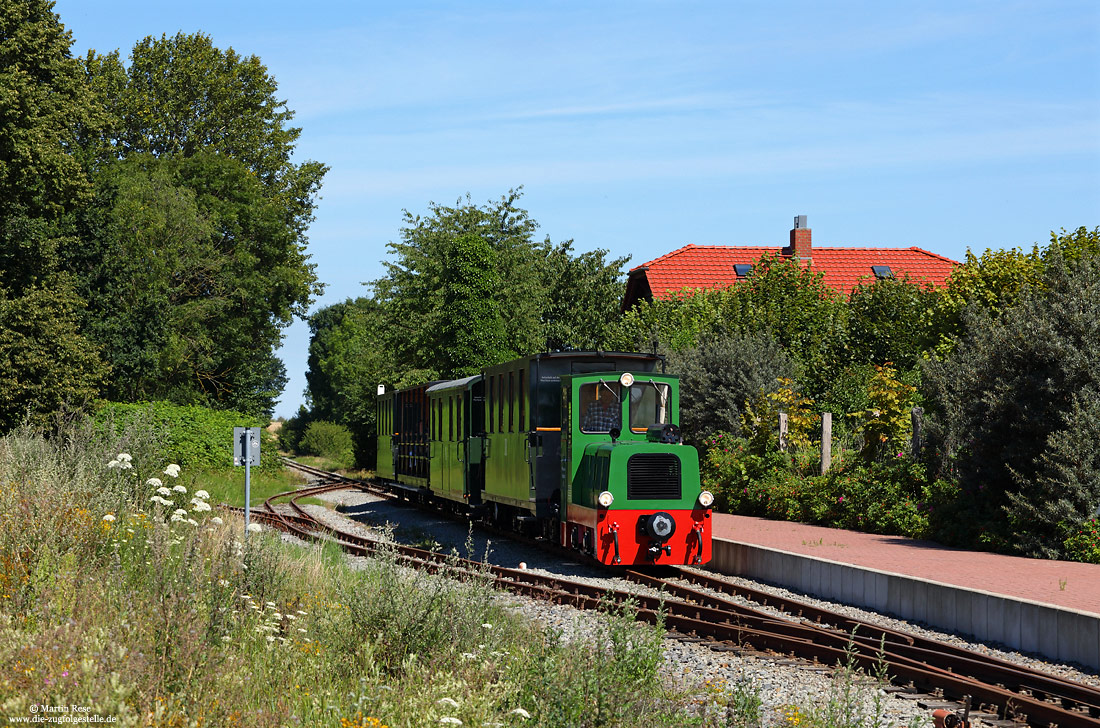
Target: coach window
(489,404)
(458,416)
(600,407)
(522,404)
(511,401)
(648,405)
(500,403)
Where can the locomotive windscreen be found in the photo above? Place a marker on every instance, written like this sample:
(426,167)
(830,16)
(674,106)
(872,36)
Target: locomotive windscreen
(653,476)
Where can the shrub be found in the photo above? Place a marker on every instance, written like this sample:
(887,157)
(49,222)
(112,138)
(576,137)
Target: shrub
(720,375)
(328,440)
(193,436)
(1018,410)
(1084,543)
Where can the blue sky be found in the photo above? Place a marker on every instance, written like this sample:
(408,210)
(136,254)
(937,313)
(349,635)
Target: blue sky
(642,126)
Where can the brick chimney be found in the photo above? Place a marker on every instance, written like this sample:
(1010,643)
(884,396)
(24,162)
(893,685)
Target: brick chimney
(800,240)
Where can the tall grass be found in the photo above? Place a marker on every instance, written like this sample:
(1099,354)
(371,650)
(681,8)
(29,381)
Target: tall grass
(183,622)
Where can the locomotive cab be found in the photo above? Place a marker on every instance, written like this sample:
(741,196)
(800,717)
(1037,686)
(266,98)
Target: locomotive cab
(630,488)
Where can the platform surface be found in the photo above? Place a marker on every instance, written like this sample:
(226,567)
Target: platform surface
(1060,583)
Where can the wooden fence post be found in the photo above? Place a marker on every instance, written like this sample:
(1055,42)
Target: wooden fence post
(783,431)
(916,443)
(826,441)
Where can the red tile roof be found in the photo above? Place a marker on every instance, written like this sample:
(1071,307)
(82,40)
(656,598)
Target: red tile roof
(711,266)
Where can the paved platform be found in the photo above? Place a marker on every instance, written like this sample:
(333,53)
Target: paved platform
(1046,607)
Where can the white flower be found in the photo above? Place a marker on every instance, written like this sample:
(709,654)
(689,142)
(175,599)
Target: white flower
(270,638)
(172,471)
(200,506)
(166,492)
(176,517)
(202,494)
(180,512)
(158,499)
(270,604)
(302,630)
(179,488)
(447,701)
(217,520)
(521,713)
(124,457)
(108,518)
(124,465)
(468,656)
(113,464)
(487,626)
(154,482)
(192,521)
(448,720)
(223,582)
(255,527)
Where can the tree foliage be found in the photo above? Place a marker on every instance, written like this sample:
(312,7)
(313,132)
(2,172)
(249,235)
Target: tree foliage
(1014,404)
(720,375)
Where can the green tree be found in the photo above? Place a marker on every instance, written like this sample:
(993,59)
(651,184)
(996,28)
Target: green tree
(45,364)
(720,375)
(412,293)
(1015,408)
(195,251)
(889,321)
(583,294)
(45,361)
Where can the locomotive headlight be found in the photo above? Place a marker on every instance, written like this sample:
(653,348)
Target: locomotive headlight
(706,499)
(605,499)
(626,379)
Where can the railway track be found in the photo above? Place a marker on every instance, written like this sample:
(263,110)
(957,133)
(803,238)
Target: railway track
(698,607)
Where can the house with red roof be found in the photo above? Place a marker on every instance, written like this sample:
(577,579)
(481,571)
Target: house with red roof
(697,267)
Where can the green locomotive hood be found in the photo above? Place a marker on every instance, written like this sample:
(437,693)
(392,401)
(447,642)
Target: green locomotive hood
(638,474)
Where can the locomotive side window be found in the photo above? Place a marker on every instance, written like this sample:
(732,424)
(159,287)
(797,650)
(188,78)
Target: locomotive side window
(500,403)
(649,405)
(600,407)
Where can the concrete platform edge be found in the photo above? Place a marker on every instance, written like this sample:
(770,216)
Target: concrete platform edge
(1057,633)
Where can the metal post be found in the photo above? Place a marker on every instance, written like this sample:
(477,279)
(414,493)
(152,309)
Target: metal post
(247,476)
(826,441)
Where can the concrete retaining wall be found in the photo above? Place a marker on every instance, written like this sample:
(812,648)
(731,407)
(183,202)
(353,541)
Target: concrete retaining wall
(1054,632)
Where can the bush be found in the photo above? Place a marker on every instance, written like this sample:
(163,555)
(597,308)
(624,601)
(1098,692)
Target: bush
(328,440)
(193,436)
(720,375)
(1017,411)
(1084,543)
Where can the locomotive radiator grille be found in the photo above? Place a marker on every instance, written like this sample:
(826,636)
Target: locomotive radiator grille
(653,476)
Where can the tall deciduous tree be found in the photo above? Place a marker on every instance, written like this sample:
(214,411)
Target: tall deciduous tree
(44,359)
(196,250)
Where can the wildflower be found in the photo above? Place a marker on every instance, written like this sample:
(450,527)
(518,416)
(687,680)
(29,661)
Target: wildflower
(468,656)
(223,582)
(447,701)
(124,465)
(154,482)
(270,638)
(172,471)
(302,630)
(164,492)
(255,527)
(448,720)
(270,604)
(113,464)
(199,506)
(486,625)
(179,488)
(124,457)
(291,617)
(217,520)
(179,512)
(202,494)
(158,499)
(192,521)
(521,713)
(176,518)
(108,518)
